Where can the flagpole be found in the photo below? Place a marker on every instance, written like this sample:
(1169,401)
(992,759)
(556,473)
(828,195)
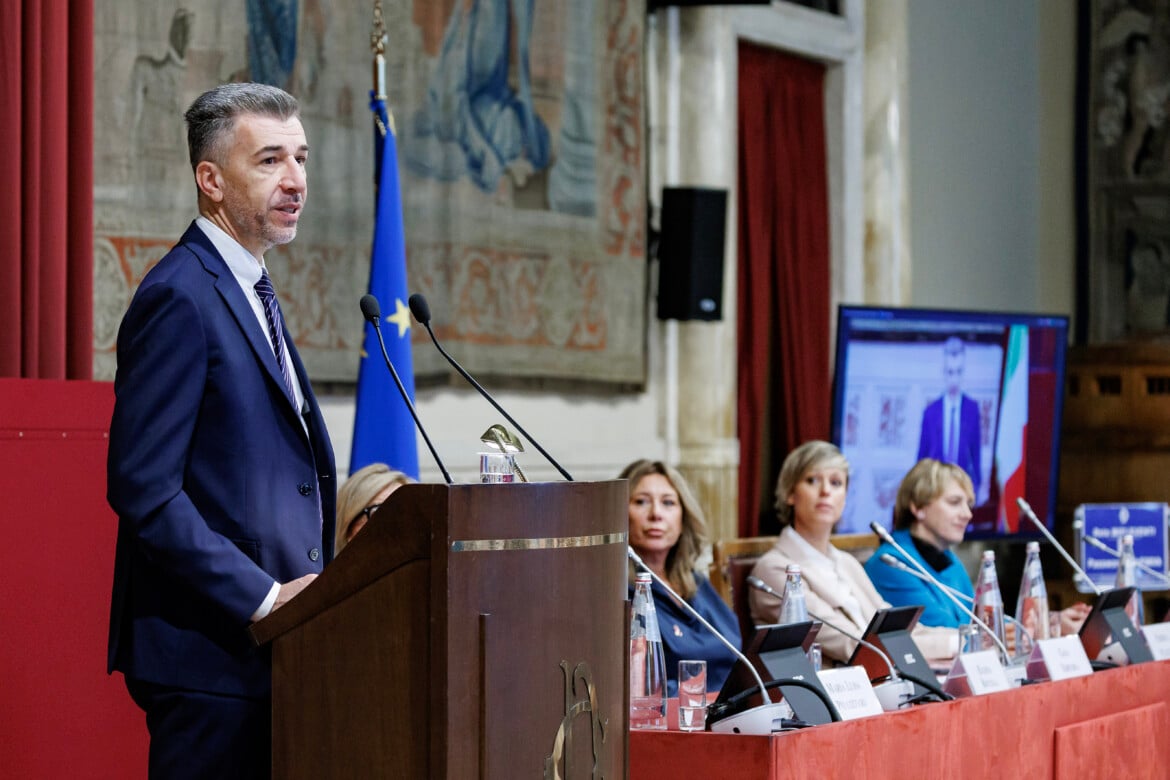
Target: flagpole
(383,432)
(378,48)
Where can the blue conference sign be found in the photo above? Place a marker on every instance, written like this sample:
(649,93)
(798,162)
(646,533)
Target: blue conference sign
(1107,523)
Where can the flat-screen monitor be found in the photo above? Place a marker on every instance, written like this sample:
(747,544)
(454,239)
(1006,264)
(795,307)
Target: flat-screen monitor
(980,389)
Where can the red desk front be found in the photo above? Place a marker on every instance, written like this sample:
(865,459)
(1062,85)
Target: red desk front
(1111,724)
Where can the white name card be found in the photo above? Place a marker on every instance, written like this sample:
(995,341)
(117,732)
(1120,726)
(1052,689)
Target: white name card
(975,674)
(1059,659)
(851,692)
(1158,638)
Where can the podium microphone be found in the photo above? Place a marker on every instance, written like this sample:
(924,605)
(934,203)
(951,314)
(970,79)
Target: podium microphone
(757,720)
(893,694)
(1026,510)
(422,312)
(890,560)
(885,536)
(1107,549)
(373,313)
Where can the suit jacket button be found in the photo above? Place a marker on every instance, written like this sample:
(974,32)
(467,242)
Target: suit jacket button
(314,554)
(305,488)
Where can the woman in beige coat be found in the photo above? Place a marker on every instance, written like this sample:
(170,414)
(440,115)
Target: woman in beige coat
(810,498)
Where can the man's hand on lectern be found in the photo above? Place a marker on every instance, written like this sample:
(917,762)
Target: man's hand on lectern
(290,589)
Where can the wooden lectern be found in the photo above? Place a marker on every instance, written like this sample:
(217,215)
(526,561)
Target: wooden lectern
(469,631)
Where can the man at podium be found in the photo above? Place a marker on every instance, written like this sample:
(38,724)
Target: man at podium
(220,467)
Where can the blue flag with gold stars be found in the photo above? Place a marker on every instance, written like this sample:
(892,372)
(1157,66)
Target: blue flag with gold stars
(383,430)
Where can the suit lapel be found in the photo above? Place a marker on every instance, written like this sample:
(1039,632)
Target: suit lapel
(233,297)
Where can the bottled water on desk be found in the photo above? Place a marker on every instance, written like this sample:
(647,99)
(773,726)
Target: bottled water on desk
(1127,577)
(1032,604)
(792,607)
(989,601)
(647,661)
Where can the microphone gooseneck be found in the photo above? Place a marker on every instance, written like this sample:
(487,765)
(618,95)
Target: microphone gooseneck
(885,536)
(894,674)
(637,559)
(760,585)
(372,313)
(890,560)
(1100,545)
(1026,509)
(422,313)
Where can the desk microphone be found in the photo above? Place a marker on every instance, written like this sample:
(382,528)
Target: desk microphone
(422,313)
(373,313)
(890,560)
(1107,549)
(1027,512)
(885,536)
(757,720)
(893,694)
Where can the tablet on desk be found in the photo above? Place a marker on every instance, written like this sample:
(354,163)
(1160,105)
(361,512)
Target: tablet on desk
(782,636)
(767,644)
(889,630)
(1108,622)
(778,653)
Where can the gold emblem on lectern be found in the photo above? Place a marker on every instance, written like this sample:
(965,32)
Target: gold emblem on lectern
(580,699)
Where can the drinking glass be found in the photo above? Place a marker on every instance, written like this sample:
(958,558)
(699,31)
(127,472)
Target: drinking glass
(814,656)
(496,467)
(692,695)
(970,640)
(1054,624)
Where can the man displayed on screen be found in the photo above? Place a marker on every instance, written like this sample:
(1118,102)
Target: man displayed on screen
(950,424)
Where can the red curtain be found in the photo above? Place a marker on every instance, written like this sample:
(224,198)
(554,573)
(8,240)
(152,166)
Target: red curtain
(783,294)
(46,212)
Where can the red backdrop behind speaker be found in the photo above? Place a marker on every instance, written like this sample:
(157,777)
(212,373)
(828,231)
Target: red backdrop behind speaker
(61,715)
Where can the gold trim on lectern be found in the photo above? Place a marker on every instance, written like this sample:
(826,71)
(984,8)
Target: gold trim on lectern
(540,543)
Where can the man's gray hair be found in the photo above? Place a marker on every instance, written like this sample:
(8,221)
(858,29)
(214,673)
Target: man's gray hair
(213,114)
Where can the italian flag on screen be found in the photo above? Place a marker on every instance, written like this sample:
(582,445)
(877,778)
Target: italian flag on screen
(1013,428)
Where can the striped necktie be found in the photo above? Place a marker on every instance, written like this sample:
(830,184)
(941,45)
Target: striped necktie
(267,295)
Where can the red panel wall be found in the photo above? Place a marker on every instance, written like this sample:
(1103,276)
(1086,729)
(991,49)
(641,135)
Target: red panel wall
(61,715)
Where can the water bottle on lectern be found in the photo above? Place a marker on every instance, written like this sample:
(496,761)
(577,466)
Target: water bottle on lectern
(647,661)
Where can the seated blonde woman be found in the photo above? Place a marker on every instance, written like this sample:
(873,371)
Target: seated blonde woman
(931,514)
(810,498)
(668,531)
(360,496)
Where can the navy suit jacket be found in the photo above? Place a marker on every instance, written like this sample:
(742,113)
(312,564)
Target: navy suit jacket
(930,440)
(217,487)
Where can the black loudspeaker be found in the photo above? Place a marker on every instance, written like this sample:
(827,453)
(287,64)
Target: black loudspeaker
(690,253)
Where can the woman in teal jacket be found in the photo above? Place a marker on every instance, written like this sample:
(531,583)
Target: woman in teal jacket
(931,514)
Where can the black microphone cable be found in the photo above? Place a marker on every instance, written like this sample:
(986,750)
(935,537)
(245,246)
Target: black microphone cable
(716,711)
